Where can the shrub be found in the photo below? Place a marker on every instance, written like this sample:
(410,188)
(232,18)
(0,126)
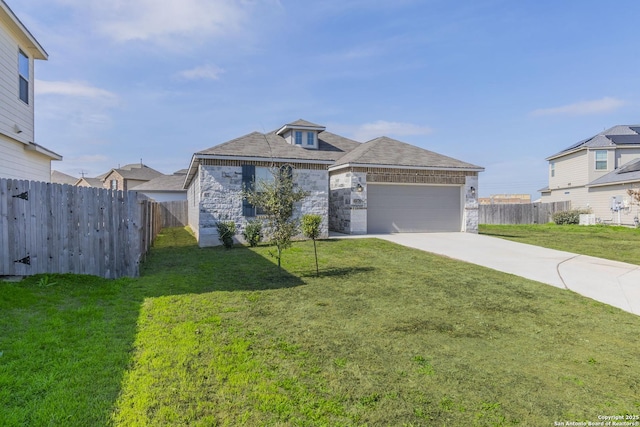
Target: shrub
(226,231)
(569,217)
(253,233)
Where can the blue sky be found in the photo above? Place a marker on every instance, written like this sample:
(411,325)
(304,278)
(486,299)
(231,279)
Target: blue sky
(501,84)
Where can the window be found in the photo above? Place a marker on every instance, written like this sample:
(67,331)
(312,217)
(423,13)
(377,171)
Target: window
(553,169)
(252,176)
(298,137)
(114,184)
(311,138)
(601,160)
(23,76)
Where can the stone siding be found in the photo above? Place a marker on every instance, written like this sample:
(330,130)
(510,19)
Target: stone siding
(471,214)
(221,200)
(348,206)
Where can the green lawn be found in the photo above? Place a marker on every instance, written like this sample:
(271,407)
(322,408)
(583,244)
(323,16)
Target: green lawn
(610,242)
(385,336)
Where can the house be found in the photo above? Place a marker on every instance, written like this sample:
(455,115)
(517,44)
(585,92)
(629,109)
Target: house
(505,199)
(58,177)
(85,181)
(128,176)
(20,156)
(381,186)
(165,188)
(596,173)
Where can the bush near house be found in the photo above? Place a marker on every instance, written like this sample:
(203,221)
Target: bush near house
(252,233)
(226,231)
(569,217)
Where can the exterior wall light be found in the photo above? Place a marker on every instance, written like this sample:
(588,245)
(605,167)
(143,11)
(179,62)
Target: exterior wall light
(473,191)
(359,188)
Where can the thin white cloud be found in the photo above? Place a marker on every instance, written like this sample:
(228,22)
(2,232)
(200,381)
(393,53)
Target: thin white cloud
(73,89)
(369,131)
(163,22)
(604,105)
(203,72)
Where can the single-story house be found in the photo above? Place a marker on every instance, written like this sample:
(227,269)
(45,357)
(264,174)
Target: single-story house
(58,177)
(380,186)
(596,174)
(165,188)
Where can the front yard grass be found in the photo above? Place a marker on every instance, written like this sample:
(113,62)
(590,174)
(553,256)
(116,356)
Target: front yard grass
(386,335)
(610,242)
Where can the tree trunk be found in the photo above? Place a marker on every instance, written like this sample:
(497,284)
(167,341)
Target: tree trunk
(316,253)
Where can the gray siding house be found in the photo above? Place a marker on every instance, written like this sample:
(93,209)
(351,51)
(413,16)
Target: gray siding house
(596,173)
(380,186)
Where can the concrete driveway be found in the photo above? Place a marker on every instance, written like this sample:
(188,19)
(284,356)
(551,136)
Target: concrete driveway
(611,282)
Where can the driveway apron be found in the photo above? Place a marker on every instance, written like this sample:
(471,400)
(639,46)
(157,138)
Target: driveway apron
(611,282)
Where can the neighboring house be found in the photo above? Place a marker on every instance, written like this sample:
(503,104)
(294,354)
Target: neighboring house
(128,177)
(165,188)
(381,186)
(58,177)
(596,173)
(20,156)
(89,182)
(505,199)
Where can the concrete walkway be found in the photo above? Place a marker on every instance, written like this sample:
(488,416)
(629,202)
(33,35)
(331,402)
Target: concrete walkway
(611,282)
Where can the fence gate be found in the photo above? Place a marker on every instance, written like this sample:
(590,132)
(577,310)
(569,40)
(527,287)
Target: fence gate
(54,228)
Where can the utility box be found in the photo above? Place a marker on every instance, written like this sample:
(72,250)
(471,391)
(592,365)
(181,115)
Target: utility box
(587,219)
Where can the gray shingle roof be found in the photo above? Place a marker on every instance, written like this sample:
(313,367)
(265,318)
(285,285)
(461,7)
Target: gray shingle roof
(58,177)
(333,151)
(92,182)
(617,135)
(330,148)
(388,151)
(301,122)
(162,183)
(137,171)
(629,172)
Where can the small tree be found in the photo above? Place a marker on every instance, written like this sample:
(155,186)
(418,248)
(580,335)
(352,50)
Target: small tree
(276,199)
(311,229)
(635,196)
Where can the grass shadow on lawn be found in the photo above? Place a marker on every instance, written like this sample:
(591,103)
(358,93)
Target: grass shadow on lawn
(387,336)
(67,340)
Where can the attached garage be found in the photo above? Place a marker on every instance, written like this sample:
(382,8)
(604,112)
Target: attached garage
(413,208)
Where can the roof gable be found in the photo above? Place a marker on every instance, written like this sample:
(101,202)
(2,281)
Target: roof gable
(612,137)
(386,151)
(271,146)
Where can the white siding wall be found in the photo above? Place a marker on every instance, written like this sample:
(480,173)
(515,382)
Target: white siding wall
(18,163)
(600,201)
(193,198)
(12,110)
(571,171)
(625,155)
(591,167)
(165,196)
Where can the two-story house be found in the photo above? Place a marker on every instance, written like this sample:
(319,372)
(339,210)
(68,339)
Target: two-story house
(596,173)
(20,156)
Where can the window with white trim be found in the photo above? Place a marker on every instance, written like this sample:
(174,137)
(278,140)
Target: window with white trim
(23,76)
(298,136)
(552,166)
(311,138)
(601,160)
(114,184)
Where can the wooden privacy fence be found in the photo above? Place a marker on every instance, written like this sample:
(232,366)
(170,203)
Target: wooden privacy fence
(174,214)
(526,213)
(54,228)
